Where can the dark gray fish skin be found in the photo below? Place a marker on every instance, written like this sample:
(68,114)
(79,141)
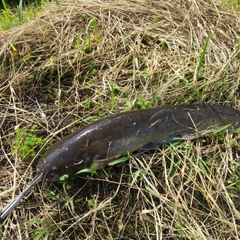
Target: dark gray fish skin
(109,138)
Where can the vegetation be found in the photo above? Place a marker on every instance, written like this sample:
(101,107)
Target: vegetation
(26,143)
(65,64)
(23,11)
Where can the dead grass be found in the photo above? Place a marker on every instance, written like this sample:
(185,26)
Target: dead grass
(184,191)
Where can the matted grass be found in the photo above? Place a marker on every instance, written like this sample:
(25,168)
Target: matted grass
(82,61)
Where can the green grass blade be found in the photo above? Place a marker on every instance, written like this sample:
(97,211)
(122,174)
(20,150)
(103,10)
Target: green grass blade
(112,94)
(203,54)
(20,12)
(93,23)
(117,161)
(13,47)
(5,8)
(7,23)
(153,192)
(57,2)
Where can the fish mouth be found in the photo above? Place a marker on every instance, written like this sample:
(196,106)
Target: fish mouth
(51,177)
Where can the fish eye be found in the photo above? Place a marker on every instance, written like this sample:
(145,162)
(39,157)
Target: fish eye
(54,169)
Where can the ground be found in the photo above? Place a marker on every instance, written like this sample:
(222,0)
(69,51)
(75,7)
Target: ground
(81,61)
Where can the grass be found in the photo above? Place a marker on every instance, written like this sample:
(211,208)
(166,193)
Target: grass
(25,144)
(10,18)
(62,67)
(232,4)
(200,63)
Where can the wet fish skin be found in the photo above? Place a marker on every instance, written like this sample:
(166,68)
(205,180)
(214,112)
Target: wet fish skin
(109,138)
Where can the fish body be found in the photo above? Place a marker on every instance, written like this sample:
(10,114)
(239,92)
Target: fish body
(107,139)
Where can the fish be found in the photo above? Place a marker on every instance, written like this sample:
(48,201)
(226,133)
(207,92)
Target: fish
(102,141)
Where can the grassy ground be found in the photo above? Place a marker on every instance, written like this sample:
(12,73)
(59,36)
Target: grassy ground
(80,61)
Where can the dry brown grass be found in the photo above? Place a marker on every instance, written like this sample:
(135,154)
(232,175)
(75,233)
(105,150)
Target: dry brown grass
(164,194)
